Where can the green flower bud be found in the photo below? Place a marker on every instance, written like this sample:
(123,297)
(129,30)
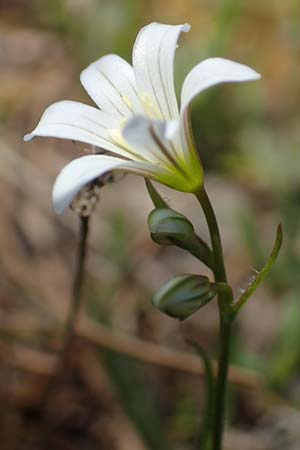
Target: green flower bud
(184,295)
(168,226)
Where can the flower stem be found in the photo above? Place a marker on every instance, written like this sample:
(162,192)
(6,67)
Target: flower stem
(74,310)
(225,301)
(219,267)
(77,287)
(221,385)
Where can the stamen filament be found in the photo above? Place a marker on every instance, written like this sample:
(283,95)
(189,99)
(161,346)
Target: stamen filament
(166,152)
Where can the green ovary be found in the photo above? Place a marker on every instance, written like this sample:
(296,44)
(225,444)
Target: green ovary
(190,179)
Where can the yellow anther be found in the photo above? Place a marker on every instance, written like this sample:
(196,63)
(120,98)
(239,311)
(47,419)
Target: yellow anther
(146,99)
(150,108)
(115,134)
(128,102)
(123,122)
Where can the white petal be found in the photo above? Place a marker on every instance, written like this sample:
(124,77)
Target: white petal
(210,72)
(153,64)
(111,84)
(82,171)
(79,122)
(171,129)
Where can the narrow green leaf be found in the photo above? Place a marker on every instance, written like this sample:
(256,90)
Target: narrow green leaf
(138,396)
(210,383)
(261,275)
(156,198)
(284,362)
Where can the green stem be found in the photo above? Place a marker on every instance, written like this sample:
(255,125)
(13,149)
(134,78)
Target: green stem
(221,385)
(219,267)
(225,301)
(210,387)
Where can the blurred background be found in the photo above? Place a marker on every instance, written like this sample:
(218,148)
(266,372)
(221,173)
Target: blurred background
(121,388)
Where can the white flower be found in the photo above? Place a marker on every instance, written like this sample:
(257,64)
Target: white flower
(138,117)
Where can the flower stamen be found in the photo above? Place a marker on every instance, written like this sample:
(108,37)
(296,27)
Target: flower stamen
(128,103)
(165,151)
(150,108)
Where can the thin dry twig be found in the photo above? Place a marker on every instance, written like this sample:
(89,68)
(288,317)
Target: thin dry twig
(101,336)
(157,355)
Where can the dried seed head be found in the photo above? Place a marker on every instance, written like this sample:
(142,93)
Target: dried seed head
(86,199)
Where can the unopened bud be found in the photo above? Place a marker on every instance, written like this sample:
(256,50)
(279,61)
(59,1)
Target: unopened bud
(167,227)
(184,295)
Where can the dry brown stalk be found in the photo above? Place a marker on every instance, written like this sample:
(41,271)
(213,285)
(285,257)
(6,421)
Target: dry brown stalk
(101,336)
